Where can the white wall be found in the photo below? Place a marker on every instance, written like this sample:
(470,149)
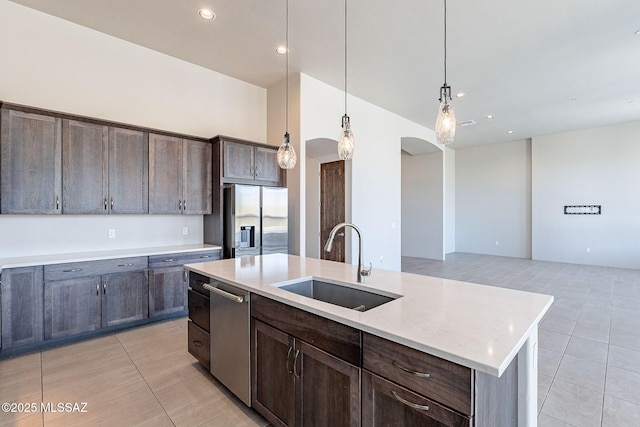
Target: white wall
(422,205)
(598,166)
(54,64)
(493,199)
(449,200)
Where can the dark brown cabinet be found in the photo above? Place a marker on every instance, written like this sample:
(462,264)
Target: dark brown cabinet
(179,175)
(199,319)
(245,162)
(22,296)
(168,280)
(30,163)
(85,296)
(296,383)
(104,169)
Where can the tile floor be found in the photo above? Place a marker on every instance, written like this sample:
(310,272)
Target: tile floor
(589,358)
(589,342)
(142,376)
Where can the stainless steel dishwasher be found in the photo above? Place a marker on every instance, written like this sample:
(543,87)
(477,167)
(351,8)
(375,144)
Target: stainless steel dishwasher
(230,338)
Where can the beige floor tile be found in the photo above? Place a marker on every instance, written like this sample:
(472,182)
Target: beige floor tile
(20,362)
(238,415)
(10,418)
(185,391)
(103,348)
(161,361)
(161,420)
(174,374)
(20,390)
(201,410)
(87,371)
(167,343)
(29,420)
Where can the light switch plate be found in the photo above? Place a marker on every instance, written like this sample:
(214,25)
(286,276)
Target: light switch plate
(112,233)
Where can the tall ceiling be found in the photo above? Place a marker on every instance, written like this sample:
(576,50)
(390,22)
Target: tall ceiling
(539,67)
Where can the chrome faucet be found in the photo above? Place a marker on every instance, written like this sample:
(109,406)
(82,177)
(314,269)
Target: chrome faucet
(327,247)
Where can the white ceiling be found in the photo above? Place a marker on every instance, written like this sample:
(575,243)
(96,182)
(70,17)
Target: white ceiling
(540,66)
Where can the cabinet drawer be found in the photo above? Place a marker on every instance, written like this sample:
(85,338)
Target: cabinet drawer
(199,309)
(385,403)
(197,281)
(72,270)
(438,379)
(177,259)
(198,343)
(335,338)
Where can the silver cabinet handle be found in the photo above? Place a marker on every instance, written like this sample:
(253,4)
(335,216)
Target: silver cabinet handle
(295,360)
(409,404)
(97,288)
(112,203)
(57,203)
(73,270)
(168,260)
(184,205)
(287,363)
(409,371)
(179,205)
(129,264)
(227,295)
(105,203)
(104,287)
(205,256)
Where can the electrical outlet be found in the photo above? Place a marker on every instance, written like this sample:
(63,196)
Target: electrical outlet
(587,250)
(112,233)
(380,259)
(497,243)
(185,230)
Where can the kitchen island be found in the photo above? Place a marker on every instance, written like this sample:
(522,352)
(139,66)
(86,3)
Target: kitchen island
(489,330)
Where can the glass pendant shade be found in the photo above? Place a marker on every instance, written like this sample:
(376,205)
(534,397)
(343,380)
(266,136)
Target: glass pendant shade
(286,154)
(346,143)
(446,120)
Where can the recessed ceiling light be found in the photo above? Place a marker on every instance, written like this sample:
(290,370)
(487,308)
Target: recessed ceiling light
(509,132)
(282,50)
(489,116)
(460,94)
(207,14)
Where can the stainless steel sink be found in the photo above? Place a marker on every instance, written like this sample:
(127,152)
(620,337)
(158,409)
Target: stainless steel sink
(343,296)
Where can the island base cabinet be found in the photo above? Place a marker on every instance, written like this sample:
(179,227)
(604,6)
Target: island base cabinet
(297,384)
(387,404)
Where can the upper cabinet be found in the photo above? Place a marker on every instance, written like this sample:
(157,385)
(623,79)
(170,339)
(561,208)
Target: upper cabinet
(104,169)
(179,176)
(31,168)
(245,162)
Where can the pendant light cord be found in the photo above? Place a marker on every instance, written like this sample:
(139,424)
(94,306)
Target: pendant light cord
(286,101)
(345,57)
(445,42)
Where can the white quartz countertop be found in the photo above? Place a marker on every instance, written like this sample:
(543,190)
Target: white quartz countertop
(478,326)
(29,261)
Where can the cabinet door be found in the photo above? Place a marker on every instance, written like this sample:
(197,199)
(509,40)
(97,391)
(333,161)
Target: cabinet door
(272,360)
(239,161)
(128,171)
(31,163)
(385,403)
(327,389)
(167,288)
(267,170)
(125,298)
(71,307)
(84,171)
(196,168)
(165,174)
(22,296)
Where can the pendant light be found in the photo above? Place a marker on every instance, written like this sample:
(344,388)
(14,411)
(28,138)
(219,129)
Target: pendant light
(346,143)
(286,153)
(446,121)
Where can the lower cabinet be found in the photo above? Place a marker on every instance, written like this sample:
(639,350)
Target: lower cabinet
(199,319)
(21,309)
(85,304)
(295,383)
(385,403)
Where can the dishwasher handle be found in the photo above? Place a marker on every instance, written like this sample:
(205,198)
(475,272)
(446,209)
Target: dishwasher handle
(235,298)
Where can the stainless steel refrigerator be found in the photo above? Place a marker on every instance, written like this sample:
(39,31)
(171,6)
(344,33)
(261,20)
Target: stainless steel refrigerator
(255,220)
